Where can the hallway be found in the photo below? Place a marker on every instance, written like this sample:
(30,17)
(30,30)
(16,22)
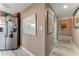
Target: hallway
(65,48)
(36,29)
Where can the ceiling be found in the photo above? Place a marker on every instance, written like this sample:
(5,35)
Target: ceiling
(64,12)
(57,7)
(13,7)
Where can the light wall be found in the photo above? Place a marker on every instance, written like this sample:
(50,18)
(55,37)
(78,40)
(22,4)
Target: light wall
(41,44)
(35,44)
(50,39)
(76,33)
(76,36)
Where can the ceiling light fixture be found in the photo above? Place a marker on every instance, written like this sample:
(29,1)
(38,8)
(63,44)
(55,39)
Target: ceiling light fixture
(65,6)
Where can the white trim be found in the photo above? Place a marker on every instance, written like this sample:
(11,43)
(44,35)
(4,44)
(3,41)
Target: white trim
(25,51)
(65,36)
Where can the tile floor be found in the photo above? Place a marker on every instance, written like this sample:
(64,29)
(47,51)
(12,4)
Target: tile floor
(65,48)
(10,53)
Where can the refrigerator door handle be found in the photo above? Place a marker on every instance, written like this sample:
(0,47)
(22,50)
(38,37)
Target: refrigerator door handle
(6,29)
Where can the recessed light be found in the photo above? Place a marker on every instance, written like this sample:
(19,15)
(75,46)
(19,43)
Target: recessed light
(65,6)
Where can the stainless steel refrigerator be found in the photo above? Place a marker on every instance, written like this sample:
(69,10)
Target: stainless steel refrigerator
(8,33)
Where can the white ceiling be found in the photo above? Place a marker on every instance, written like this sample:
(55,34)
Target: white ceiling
(57,7)
(61,12)
(13,7)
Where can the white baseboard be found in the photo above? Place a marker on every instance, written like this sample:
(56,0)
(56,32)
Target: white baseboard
(25,52)
(65,36)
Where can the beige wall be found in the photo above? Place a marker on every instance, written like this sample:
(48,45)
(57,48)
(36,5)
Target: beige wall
(76,32)
(43,42)
(50,38)
(76,36)
(35,44)
(65,31)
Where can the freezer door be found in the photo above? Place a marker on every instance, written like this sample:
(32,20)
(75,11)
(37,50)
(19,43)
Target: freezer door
(11,39)
(11,43)
(2,34)
(2,39)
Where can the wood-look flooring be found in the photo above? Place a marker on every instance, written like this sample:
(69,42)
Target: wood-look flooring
(64,48)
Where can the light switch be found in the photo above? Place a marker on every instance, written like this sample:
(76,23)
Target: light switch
(40,28)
